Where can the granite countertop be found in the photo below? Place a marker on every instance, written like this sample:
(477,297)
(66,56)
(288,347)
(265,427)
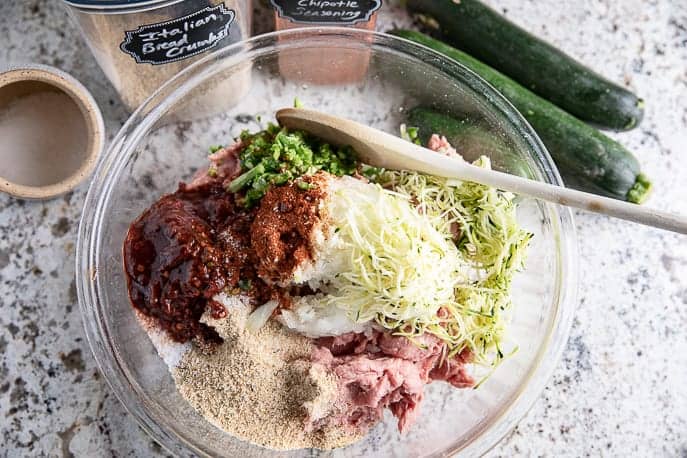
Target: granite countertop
(621,387)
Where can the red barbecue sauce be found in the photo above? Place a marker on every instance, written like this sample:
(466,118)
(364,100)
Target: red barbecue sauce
(192,244)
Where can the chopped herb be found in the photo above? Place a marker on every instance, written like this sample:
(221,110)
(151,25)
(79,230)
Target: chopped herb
(410,134)
(304,185)
(214,149)
(297,103)
(277,155)
(212,171)
(245,178)
(245,285)
(371,173)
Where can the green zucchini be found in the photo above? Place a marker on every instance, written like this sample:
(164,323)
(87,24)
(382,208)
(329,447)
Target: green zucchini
(487,35)
(587,159)
(470,139)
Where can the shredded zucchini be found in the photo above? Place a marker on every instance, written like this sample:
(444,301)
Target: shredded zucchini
(489,240)
(400,270)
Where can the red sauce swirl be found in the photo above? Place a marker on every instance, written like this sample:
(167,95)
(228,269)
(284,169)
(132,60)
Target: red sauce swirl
(197,242)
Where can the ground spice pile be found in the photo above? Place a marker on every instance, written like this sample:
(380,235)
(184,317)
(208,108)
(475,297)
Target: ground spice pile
(282,229)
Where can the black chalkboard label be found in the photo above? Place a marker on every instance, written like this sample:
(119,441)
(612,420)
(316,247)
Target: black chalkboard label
(326,12)
(179,38)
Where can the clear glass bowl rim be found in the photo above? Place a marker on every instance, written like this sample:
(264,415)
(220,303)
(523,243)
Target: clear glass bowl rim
(113,367)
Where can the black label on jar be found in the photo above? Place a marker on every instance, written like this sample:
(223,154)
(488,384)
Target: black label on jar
(179,38)
(327,12)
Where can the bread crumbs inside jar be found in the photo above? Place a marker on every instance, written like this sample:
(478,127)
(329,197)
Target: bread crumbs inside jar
(140,44)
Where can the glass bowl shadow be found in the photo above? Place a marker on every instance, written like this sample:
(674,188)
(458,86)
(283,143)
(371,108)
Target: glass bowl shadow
(239,87)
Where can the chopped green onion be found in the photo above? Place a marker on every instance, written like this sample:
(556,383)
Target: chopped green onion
(284,156)
(245,178)
(245,285)
(410,134)
(304,185)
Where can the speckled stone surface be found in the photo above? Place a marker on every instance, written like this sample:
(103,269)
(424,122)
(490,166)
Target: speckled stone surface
(621,387)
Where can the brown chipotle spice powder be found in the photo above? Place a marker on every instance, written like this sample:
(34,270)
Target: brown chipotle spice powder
(283,224)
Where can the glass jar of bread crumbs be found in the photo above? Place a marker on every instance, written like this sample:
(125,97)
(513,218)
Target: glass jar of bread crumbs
(351,64)
(140,44)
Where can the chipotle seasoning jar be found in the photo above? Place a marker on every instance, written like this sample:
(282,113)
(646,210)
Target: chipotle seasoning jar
(325,65)
(140,44)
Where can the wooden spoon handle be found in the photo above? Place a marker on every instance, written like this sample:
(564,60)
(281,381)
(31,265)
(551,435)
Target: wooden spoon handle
(381,149)
(570,197)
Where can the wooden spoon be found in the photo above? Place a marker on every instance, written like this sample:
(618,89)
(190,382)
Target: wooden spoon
(381,149)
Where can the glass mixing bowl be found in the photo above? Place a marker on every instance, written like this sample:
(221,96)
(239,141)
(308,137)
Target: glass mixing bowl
(167,138)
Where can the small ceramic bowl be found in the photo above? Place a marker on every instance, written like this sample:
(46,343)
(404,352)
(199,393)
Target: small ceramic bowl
(26,112)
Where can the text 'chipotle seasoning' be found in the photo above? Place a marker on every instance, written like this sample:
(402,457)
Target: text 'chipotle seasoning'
(321,64)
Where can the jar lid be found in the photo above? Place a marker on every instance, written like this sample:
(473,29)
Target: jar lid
(117,4)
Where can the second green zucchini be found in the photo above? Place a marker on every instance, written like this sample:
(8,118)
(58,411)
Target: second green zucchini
(587,159)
